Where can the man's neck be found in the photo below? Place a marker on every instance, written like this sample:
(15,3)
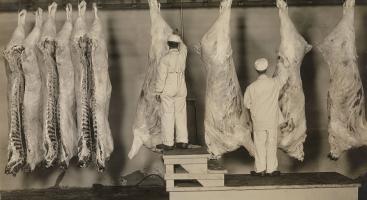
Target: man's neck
(262,76)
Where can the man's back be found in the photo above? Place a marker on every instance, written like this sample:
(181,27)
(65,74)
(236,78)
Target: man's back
(174,60)
(261,98)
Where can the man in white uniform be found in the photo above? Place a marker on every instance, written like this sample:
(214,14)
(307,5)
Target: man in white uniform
(261,98)
(171,91)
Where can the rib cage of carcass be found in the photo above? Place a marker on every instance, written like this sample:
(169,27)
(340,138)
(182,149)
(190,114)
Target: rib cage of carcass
(50,88)
(346,102)
(33,96)
(17,152)
(100,93)
(292,49)
(147,124)
(227,123)
(93,91)
(82,92)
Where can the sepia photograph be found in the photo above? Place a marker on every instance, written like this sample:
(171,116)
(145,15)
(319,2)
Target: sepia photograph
(183,99)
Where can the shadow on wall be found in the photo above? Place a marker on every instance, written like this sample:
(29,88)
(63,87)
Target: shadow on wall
(118,156)
(242,70)
(43,174)
(357,160)
(313,143)
(240,157)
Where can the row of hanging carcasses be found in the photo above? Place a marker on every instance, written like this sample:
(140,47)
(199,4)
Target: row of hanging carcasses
(227,124)
(58,93)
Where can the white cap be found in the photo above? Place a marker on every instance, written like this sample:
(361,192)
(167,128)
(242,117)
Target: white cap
(261,64)
(174,38)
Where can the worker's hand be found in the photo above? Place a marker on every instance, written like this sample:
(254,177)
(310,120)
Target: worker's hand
(287,126)
(283,125)
(158,97)
(281,4)
(349,3)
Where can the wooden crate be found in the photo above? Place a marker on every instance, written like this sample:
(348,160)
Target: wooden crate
(193,165)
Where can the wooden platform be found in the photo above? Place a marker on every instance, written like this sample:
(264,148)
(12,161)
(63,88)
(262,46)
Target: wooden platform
(300,186)
(189,176)
(146,192)
(191,164)
(284,181)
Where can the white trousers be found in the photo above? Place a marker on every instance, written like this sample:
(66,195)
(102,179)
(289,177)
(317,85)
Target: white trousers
(266,144)
(174,114)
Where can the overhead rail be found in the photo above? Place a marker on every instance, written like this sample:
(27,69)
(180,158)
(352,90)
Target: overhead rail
(15,5)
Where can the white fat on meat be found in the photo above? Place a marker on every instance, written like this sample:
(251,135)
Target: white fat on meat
(346,102)
(227,122)
(147,124)
(66,98)
(33,96)
(293,48)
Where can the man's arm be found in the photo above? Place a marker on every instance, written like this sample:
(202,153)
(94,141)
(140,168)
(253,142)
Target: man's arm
(247,98)
(161,76)
(281,72)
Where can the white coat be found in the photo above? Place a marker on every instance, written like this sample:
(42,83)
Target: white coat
(261,98)
(171,86)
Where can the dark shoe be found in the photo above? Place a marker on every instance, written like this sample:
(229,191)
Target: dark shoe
(253,173)
(181,145)
(274,173)
(164,147)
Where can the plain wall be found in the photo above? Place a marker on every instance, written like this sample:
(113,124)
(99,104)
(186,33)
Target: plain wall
(254,33)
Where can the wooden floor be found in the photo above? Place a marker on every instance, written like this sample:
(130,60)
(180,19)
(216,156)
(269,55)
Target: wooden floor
(99,192)
(286,180)
(95,193)
(289,179)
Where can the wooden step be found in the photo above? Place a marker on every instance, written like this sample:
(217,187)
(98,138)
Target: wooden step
(192,164)
(175,161)
(195,168)
(186,153)
(190,176)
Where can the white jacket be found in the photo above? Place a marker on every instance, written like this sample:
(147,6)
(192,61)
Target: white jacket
(171,68)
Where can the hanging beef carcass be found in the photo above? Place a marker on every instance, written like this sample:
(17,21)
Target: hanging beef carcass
(346,104)
(33,96)
(13,52)
(50,88)
(80,54)
(100,92)
(147,124)
(292,49)
(227,123)
(66,98)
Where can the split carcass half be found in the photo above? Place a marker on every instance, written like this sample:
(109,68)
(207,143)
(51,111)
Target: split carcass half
(292,49)
(80,54)
(50,88)
(227,122)
(17,153)
(33,96)
(346,104)
(100,92)
(66,98)
(147,124)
